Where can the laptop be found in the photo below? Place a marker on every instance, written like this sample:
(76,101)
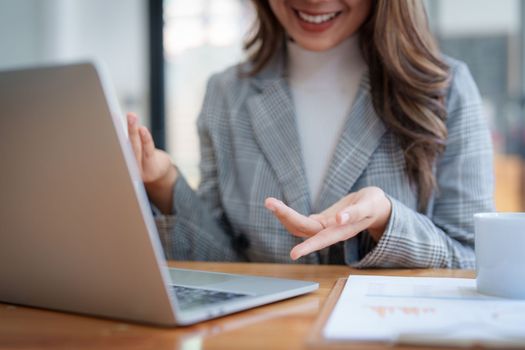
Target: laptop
(76,229)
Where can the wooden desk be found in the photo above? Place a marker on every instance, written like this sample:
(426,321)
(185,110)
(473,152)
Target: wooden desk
(282,325)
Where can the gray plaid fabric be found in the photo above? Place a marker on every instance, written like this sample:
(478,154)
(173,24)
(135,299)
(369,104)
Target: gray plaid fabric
(250,150)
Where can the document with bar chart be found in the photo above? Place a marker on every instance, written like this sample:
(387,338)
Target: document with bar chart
(422,310)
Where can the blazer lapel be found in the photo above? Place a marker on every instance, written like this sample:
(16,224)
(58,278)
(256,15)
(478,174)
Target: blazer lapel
(360,137)
(273,121)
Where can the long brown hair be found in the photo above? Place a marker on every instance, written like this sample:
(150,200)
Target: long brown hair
(408,79)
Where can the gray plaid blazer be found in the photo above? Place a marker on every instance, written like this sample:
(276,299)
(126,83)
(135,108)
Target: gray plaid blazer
(250,150)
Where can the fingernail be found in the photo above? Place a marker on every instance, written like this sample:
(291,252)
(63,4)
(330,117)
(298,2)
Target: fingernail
(270,207)
(344,217)
(277,204)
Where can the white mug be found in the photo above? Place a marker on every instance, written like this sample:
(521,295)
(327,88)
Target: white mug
(500,254)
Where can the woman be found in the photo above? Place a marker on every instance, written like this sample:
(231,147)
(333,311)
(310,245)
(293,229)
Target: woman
(345,138)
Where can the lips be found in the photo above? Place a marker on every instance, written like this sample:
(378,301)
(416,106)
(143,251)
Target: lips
(316,22)
(317,19)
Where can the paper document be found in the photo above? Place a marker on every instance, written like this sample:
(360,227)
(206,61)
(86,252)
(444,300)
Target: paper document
(420,310)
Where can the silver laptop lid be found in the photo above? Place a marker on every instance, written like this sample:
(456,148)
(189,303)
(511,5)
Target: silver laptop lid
(73,211)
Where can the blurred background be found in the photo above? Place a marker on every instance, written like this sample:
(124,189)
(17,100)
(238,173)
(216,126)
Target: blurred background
(160,54)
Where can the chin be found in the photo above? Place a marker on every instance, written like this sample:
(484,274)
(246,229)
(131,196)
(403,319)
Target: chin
(316,44)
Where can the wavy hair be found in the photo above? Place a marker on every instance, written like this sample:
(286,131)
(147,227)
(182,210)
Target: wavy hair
(408,79)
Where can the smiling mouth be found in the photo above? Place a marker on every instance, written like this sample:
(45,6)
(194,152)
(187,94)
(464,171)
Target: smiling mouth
(316,18)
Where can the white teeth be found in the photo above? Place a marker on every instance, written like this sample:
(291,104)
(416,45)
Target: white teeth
(317,19)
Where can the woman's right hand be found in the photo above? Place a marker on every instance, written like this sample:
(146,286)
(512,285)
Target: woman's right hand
(156,169)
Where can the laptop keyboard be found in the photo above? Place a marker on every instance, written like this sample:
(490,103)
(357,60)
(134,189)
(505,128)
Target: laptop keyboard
(189,298)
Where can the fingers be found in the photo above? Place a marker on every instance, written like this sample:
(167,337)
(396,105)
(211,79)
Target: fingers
(328,217)
(346,218)
(354,213)
(295,223)
(140,139)
(357,214)
(327,237)
(134,137)
(148,146)
(325,219)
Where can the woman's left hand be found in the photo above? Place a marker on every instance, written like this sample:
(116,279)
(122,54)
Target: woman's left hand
(368,209)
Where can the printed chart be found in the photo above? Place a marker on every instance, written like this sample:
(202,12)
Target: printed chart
(424,310)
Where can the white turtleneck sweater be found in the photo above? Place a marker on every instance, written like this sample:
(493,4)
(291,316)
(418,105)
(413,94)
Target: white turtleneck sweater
(323,86)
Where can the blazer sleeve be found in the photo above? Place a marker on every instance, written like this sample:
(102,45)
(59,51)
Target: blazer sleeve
(444,237)
(198,228)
